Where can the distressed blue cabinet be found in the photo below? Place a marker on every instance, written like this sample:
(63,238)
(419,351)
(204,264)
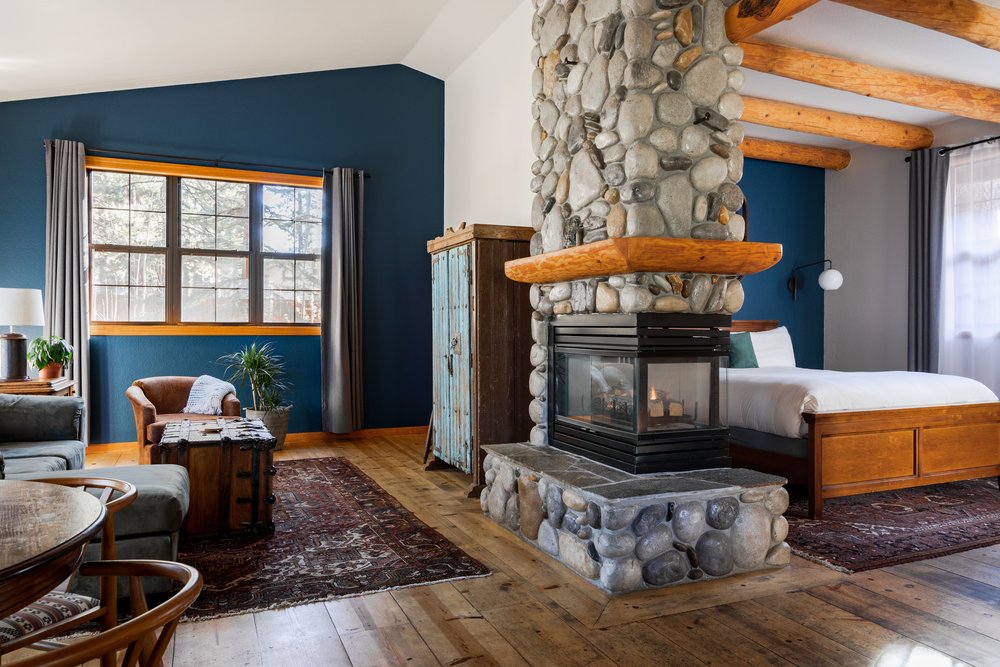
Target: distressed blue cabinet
(481,344)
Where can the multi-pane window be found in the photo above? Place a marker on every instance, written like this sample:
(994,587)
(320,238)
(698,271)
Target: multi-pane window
(173,249)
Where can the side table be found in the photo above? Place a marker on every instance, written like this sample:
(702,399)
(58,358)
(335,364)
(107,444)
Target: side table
(58,387)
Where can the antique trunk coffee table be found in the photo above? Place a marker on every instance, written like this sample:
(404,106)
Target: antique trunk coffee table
(230,465)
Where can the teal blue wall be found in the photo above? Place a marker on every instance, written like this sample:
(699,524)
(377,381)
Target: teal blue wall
(386,120)
(786,205)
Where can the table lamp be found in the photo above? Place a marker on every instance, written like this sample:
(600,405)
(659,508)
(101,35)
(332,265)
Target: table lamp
(18,307)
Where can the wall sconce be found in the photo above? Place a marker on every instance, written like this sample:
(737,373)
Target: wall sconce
(830,279)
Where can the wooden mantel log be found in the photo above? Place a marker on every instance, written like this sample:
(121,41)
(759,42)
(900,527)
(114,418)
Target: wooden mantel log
(748,17)
(853,127)
(645,254)
(953,97)
(783,151)
(973,21)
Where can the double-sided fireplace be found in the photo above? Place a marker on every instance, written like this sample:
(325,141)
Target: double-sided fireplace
(642,392)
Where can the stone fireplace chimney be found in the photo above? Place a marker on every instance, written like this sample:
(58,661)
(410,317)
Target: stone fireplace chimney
(637,135)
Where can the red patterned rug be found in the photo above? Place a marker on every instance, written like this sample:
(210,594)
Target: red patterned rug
(337,534)
(881,529)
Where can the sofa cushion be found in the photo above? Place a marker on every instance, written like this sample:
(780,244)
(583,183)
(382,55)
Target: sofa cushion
(71,451)
(35,464)
(155,430)
(40,418)
(160,505)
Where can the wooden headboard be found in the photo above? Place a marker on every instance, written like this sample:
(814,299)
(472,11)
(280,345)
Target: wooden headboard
(754,325)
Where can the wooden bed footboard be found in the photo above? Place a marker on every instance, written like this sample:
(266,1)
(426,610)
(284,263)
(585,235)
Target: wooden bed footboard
(879,450)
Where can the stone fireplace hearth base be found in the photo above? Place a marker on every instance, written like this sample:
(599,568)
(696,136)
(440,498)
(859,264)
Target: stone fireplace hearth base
(625,532)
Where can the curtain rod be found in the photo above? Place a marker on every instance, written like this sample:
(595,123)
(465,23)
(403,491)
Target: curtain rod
(216,163)
(948,149)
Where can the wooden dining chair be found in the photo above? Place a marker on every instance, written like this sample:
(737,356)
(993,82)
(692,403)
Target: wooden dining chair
(60,610)
(138,637)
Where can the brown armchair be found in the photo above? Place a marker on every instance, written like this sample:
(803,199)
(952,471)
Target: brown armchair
(158,400)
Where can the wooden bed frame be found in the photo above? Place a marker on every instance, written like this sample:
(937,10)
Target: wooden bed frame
(877,450)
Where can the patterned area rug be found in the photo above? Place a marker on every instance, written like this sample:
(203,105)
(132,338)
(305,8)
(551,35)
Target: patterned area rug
(338,534)
(881,529)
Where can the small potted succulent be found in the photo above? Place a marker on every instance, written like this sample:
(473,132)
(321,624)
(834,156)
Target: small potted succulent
(49,356)
(265,371)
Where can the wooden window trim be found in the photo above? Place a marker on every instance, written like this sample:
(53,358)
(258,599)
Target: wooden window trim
(168,169)
(113,329)
(195,171)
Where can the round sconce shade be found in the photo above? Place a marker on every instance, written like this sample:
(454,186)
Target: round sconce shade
(831,279)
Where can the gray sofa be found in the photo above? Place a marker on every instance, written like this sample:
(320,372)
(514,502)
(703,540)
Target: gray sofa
(41,436)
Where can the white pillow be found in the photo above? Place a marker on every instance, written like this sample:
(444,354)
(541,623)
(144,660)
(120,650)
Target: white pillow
(773,348)
(207,394)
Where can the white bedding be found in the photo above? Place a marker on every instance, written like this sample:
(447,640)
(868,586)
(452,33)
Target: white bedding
(773,399)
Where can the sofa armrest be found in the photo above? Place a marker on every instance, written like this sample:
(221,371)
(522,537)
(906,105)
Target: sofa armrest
(145,412)
(230,405)
(37,418)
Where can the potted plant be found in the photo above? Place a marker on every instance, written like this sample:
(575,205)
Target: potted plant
(265,371)
(49,355)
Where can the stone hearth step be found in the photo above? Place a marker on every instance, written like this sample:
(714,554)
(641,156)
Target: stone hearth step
(625,532)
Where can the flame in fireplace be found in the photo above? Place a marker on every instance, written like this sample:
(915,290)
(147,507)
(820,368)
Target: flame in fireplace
(652,393)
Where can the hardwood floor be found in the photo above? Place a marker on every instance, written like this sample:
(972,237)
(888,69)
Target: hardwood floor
(534,611)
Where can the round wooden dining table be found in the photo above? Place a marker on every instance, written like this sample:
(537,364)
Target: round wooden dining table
(43,530)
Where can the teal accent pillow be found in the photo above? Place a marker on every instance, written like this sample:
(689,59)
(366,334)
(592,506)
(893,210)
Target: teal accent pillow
(741,354)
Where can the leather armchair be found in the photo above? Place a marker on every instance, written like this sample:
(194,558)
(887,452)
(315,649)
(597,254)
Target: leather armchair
(158,400)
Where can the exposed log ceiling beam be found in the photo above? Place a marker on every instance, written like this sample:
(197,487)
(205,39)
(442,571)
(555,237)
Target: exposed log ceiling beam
(748,17)
(960,99)
(852,127)
(810,156)
(973,21)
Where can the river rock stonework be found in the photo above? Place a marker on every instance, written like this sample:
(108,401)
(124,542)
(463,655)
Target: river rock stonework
(637,133)
(627,532)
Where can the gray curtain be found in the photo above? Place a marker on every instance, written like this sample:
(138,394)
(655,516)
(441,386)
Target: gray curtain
(341,350)
(66,245)
(928,184)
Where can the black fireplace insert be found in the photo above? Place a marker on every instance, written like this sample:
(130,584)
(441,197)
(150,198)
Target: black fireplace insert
(642,392)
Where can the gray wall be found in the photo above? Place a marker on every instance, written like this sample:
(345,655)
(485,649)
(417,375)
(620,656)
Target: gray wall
(866,237)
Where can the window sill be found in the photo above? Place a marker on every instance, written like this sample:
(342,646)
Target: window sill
(109,329)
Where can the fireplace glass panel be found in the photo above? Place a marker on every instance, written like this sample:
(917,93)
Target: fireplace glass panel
(686,393)
(598,390)
(683,393)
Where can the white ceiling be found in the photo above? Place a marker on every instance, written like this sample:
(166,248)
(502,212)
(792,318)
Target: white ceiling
(50,48)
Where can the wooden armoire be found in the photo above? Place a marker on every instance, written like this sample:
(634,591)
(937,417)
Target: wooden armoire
(482,344)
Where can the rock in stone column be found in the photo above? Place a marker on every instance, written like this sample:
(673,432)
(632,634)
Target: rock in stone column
(670,304)
(658,540)
(554,506)
(614,545)
(715,553)
(665,569)
(635,118)
(689,521)
(649,518)
(574,501)
(621,575)
(675,200)
(548,539)
(530,505)
(751,536)
(585,181)
(606,298)
(779,529)
(616,518)
(734,296)
(512,513)
(497,503)
(635,299)
(779,555)
(777,501)
(595,84)
(721,512)
(573,552)
(538,435)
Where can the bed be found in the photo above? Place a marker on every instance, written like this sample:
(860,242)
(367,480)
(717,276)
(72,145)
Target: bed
(950,435)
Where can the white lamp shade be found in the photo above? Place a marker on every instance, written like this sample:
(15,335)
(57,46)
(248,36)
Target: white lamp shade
(831,279)
(21,307)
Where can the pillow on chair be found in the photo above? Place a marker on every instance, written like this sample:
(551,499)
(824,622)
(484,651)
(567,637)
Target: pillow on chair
(207,394)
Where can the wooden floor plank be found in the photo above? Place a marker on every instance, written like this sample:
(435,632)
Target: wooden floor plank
(534,610)
(297,636)
(787,637)
(959,642)
(713,642)
(542,638)
(961,611)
